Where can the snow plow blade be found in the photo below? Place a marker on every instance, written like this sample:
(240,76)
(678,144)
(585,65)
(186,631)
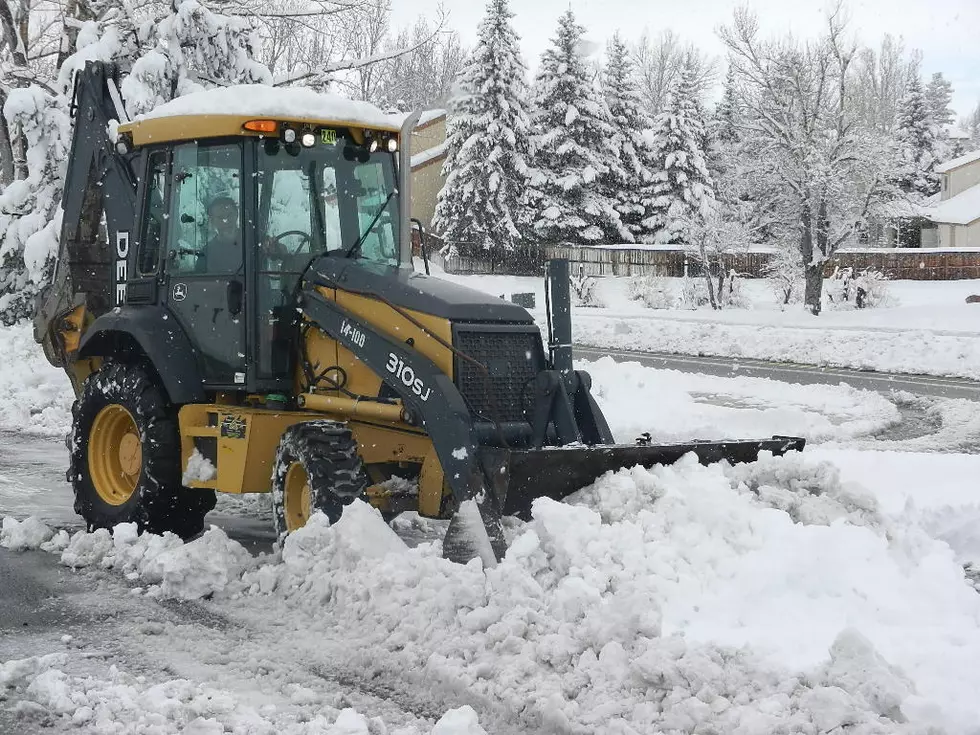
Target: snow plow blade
(521,475)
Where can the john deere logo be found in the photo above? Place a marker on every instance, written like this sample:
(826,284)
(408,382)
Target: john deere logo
(180,291)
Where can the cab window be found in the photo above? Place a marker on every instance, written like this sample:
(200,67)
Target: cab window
(206,218)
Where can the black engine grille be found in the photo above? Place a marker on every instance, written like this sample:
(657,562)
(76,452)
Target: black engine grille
(512,358)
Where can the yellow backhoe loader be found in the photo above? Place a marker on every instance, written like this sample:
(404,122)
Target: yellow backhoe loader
(235,304)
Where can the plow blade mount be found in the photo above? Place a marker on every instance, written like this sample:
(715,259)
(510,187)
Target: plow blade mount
(521,475)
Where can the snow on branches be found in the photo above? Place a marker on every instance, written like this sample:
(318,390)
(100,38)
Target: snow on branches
(482,206)
(575,151)
(192,49)
(29,206)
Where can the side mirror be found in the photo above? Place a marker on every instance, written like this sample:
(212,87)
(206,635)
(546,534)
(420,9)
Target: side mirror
(423,246)
(186,219)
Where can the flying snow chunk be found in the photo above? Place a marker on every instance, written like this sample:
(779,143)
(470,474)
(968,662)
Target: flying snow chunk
(199,469)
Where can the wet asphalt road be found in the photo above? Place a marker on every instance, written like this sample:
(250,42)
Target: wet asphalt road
(921,385)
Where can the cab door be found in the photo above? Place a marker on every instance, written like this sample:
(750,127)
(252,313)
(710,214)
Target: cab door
(205,263)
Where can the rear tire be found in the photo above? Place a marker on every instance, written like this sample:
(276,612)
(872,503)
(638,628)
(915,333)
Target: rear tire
(317,468)
(125,464)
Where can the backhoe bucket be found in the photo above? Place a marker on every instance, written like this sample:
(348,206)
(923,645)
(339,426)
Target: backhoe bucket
(521,475)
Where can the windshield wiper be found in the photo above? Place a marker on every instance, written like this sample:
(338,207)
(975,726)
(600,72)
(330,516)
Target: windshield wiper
(360,240)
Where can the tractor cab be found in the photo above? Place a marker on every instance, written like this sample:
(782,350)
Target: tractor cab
(229,224)
(230,204)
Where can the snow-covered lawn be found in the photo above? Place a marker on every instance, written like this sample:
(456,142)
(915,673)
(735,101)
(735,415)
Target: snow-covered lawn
(929,328)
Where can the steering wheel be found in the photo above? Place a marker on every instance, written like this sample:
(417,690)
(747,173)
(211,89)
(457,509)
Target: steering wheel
(277,240)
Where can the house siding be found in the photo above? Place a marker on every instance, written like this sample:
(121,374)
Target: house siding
(427,181)
(960,236)
(961,179)
(429,135)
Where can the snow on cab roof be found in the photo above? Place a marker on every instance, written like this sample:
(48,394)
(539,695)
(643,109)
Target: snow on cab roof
(963,160)
(284,103)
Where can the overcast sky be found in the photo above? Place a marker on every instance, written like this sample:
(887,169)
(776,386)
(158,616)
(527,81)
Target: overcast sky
(947,31)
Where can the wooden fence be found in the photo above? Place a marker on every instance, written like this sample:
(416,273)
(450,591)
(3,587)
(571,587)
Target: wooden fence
(927,264)
(896,263)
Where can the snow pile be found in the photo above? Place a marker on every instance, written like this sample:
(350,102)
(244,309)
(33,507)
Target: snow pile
(172,568)
(766,597)
(37,397)
(124,704)
(22,535)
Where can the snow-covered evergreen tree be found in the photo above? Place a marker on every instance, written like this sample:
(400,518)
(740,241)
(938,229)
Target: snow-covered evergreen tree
(915,137)
(682,189)
(575,154)
(939,95)
(630,124)
(727,113)
(482,207)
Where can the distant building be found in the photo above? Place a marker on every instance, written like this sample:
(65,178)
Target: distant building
(428,155)
(958,212)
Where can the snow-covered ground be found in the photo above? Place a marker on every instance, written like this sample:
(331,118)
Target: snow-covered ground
(800,594)
(928,328)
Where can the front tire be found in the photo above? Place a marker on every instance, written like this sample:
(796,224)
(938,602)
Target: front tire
(317,468)
(125,456)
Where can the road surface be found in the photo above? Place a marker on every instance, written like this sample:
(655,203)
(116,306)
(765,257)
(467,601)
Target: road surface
(922,385)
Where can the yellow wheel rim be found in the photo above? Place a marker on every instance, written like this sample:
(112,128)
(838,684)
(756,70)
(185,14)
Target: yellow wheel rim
(296,497)
(115,454)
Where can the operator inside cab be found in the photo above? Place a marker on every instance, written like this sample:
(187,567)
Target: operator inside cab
(224,249)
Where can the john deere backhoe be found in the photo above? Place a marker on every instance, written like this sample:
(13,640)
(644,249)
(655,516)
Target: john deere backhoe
(235,304)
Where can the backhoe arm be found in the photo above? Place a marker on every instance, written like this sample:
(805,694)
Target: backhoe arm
(91,266)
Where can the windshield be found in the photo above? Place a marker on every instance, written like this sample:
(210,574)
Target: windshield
(323,198)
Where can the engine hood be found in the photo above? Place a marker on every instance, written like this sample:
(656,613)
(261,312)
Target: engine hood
(417,291)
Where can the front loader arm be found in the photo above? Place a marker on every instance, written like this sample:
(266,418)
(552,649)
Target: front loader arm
(433,399)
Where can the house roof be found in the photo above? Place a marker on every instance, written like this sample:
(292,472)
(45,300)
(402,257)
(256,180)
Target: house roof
(963,160)
(425,119)
(963,209)
(421,158)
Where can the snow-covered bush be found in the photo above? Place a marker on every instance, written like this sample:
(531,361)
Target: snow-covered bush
(652,291)
(722,292)
(584,291)
(694,293)
(867,289)
(730,291)
(784,274)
